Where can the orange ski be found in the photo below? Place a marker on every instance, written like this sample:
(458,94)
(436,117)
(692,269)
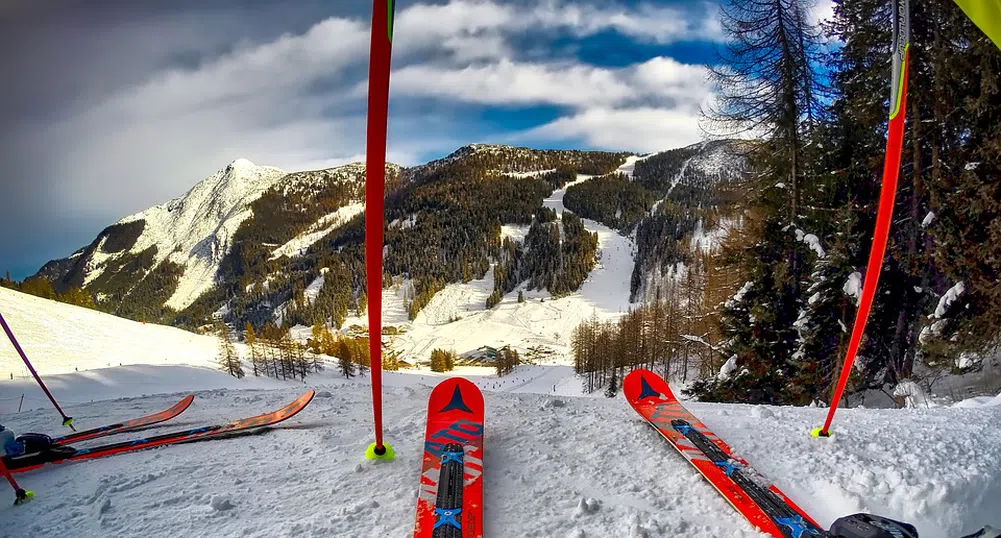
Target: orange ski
(63,453)
(767,508)
(129,425)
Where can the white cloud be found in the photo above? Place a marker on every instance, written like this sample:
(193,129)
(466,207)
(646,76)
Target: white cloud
(478,29)
(640,129)
(250,72)
(507,82)
(649,106)
(647,22)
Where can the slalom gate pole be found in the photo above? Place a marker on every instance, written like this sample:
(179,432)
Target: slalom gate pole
(375,180)
(887,195)
(20,494)
(67,421)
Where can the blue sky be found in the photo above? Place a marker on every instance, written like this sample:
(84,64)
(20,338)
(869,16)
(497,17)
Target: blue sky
(111,107)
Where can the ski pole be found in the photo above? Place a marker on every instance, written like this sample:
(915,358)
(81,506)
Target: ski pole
(20,494)
(67,420)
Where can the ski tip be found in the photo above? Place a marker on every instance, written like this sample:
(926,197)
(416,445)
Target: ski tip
(819,432)
(388,454)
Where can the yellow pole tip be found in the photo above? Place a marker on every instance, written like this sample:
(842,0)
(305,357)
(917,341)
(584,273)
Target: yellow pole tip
(387,455)
(819,432)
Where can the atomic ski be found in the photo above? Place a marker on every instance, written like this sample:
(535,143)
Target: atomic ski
(766,507)
(450,502)
(128,425)
(62,453)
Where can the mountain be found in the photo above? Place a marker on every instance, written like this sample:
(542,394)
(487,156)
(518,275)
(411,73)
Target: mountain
(255,243)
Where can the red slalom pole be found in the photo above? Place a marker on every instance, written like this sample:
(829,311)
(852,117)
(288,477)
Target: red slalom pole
(887,195)
(375,180)
(67,421)
(20,494)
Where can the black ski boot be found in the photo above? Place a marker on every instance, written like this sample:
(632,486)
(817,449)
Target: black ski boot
(870,526)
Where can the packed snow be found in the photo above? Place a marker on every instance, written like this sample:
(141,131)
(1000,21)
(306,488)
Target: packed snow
(601,470)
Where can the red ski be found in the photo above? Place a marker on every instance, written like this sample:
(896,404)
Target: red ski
(450,502)
(766,507)
(128,425)
(62,453)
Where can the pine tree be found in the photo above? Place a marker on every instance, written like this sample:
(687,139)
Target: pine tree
(767,81)
(229,359)
(345,358)
(613,387)
(250,340)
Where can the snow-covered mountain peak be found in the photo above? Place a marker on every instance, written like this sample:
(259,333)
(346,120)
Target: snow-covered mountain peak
(195,230)
(240,163)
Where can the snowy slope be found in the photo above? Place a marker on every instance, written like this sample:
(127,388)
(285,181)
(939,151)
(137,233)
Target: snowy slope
(61,338)
(326,224)
(540,322)
(935,468)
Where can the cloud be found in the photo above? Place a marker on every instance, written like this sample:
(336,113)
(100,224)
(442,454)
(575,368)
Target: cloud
(640,129)
(654,104)
(572,84)
(257,101)
(482,29)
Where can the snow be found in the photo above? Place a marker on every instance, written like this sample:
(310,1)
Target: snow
(711,240)
(629,166)
(812,241)
(541,322)
(947,299)
(312,291)
(913,395)
(928,220)
(196,229)
(61,338)
(601,470)
(853,286)
(533,173)
(726,371)
(517,232)
(979,401)
(739,296)
(320,229)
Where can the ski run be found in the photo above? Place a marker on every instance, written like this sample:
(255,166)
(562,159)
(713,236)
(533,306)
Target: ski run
(552,465)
